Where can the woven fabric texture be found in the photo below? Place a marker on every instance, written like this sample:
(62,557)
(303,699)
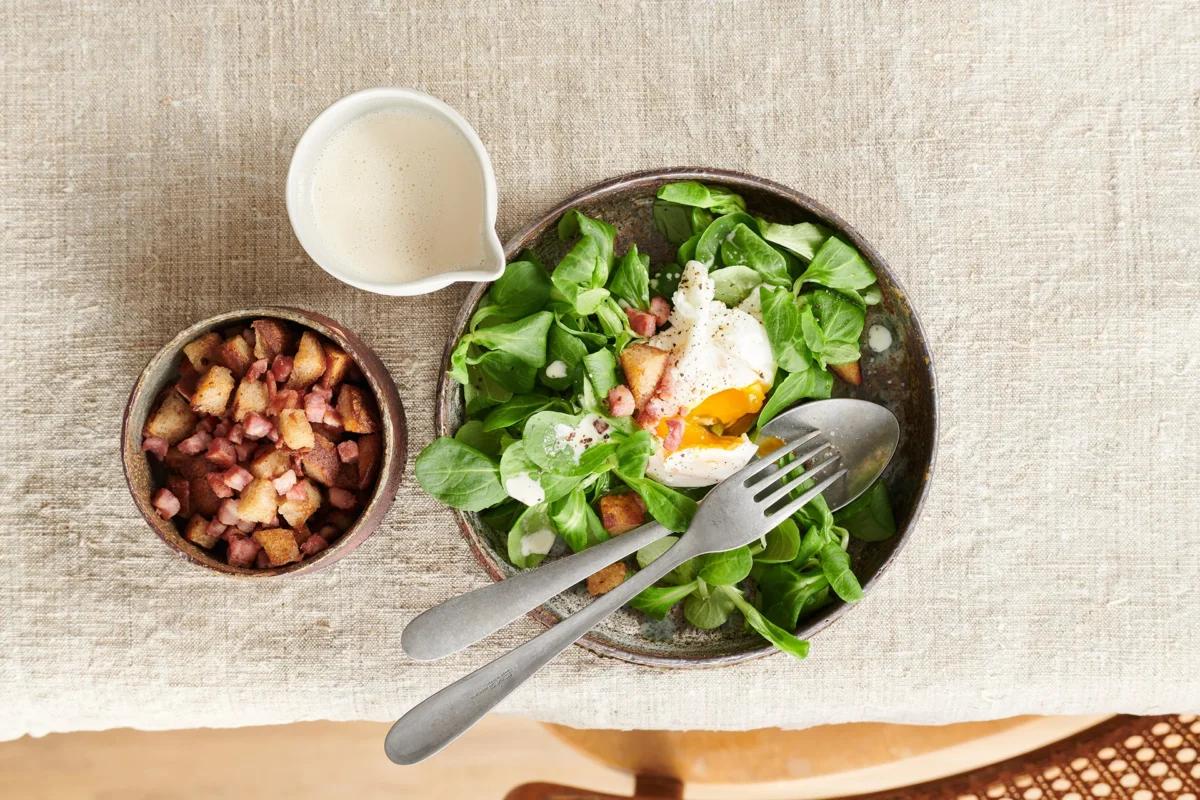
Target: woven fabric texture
(1031,171)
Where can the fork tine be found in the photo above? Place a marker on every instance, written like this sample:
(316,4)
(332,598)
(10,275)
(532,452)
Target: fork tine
(793,506)
(756,467)
(792,480)
(764,484)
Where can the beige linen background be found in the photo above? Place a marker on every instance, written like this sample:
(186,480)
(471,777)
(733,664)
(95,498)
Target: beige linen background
(1030,170)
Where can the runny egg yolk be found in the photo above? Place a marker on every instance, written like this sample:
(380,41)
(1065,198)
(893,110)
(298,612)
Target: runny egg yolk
(722,411)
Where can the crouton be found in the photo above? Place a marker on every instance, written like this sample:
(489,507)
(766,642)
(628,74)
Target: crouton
(297,512)
(321,463)
(620,513)
(643,366)
(851,373)
(203,352)
(355,408)
(236,355)
(251,396)
(337,361)
(309,362)
(271,337)
(258,501)
(197,532)
(271,464)
(279,544)
(173,420)
(203,499)
(213,391)
(295,429)
(370,448)
(606,579)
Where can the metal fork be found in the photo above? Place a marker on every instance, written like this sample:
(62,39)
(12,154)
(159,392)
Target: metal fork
(738,511)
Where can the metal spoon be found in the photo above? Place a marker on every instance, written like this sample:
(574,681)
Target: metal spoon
(865,434)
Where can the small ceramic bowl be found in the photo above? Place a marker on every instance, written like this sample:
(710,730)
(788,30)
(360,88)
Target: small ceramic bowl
(162,370)
(900,378)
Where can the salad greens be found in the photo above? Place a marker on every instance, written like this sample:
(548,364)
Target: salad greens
(540,356)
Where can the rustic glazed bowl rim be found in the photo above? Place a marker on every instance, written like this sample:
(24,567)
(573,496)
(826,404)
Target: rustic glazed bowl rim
(446,388)
(394,429)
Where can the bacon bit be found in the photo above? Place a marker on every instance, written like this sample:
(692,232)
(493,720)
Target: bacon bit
(274,437)
(207,424)
(237,478)
(221,453)
(216,482)
(236,433)
(248,335)
(244,451)
(620,401)
(242,550)
(246,526)
(281,367)
(332,418)
(156,446)
(216,529)
(674,434)
(273,522)
(222,430)
(313,544)
(314,407)
(195,444)
(227,513)
(661,310)
(322,391)
(298,492)
(272,389)
(165,503)
(283,400)
(256,370)
(285,482)
(340,498)
(348,451)
(654,410)
(643,323)
(256,426)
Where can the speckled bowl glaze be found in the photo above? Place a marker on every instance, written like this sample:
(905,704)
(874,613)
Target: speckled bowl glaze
(900,378)
(158,374)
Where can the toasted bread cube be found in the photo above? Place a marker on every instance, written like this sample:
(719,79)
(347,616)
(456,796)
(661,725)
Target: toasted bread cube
(258,502)
(321,463)
(251,396)
(185,465)
(643,366)
(370,450)
(279,544)
(173,420)
(851,373)
(197,532)
(213,391)
(271,464)
(271,337)
(204,500)
(621,513)
(295,429)
(606,579)
(297,512)
(203,352)
(337,361)
(237,355)
(355,408)
(309,362)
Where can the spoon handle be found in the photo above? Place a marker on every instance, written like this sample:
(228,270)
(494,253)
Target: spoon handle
(463,620)
(434,723)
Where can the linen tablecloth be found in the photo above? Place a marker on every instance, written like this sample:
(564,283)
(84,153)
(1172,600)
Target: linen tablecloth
(1031,171)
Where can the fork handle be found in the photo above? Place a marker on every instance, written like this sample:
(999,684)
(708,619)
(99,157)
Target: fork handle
(435,722)
(463,620)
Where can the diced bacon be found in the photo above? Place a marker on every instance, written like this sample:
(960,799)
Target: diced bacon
(245,525)
(248,335)
(195,444)
(237,478)
(221,453)
(298,492)
(256,426)
(207,424)
(620,401)
(285,482)
(643,323)
(332,418)
(216,529)
(156,446)
(674,434)
(272,388)
(281,367)
(244,451)
(340,498)
(273,522)
(313,544)
(165,503)
(236,433)
(661,310)
(262,560)
(227,513)
(216,481)
(242,550)
(314,407)
(654,410)
(273,435)
(221,431)
(256,370)
(348,451)
(284,399)
(322,391)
